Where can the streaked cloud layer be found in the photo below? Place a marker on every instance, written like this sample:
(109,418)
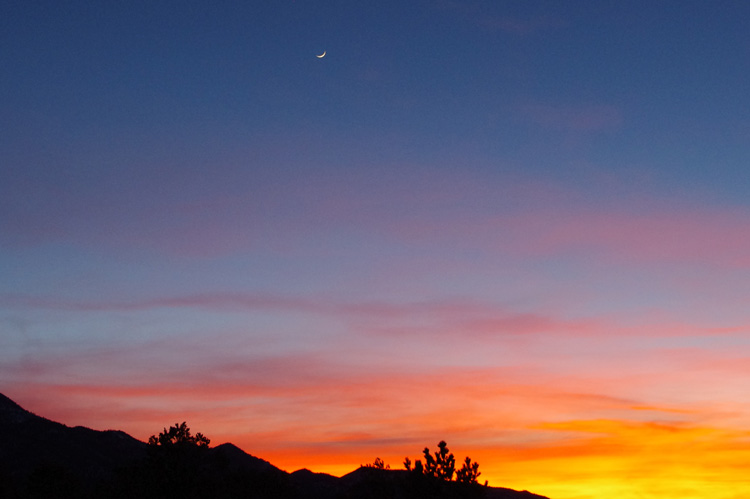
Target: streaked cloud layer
(522,229)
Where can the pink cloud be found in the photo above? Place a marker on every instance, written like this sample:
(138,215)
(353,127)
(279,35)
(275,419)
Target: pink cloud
(437,318)
(354,411)
(531,324)
(706,236)
(281,216)
(447,209)
(709,236)
(431,209)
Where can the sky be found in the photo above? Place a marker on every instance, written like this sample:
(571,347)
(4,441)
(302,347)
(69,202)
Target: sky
(520,227)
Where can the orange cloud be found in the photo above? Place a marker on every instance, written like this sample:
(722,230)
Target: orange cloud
(525,435)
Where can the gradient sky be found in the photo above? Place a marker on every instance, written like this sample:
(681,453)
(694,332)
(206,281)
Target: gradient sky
(522,227)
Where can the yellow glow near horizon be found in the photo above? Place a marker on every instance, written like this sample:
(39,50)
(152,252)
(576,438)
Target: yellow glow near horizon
(626,460)
(689,451)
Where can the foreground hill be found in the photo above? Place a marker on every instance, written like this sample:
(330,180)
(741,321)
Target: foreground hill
(40,458)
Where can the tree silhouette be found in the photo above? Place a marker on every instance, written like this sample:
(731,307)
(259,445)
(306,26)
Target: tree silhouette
(378,464)
(418,469)
(469,472)
(442,465)
(178,435)
(176,465)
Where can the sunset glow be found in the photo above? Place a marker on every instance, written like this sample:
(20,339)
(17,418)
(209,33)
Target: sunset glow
(520,228)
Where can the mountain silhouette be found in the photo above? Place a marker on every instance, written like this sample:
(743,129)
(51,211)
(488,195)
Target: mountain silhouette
(40,458)
(30,443)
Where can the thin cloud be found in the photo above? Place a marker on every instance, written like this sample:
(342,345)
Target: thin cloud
(702,237)
(590,118)
(710,236)
(219,301)
(432,318)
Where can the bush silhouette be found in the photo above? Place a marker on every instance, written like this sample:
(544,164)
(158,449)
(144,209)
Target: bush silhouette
(469,472)
(176,464)
(178,435)
(378,464)
(442,465)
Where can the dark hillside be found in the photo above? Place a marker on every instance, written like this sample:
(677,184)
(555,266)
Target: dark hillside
(32,444)
(40,459)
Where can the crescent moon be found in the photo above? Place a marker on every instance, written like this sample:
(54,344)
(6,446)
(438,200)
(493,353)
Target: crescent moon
(321,55)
